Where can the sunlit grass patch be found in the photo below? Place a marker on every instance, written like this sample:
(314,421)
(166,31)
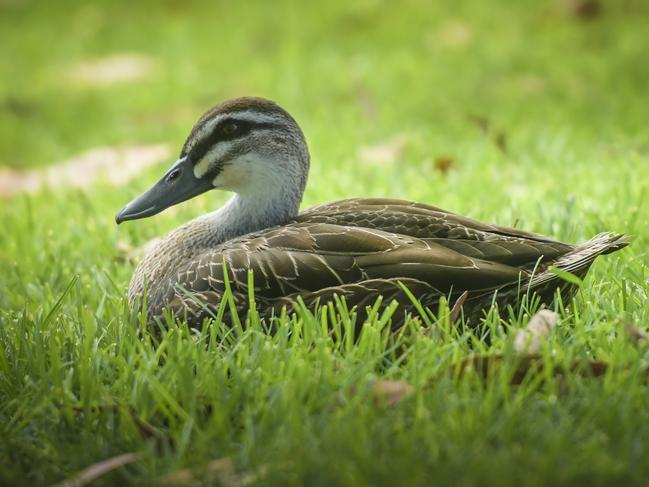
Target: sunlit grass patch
(524,114)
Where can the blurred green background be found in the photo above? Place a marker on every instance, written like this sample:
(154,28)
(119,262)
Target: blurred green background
(528,113)
(355,71)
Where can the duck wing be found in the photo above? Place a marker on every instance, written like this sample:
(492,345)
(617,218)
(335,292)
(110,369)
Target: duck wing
(359,249)
(464,235)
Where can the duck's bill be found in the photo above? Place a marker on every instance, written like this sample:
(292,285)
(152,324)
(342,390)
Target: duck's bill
(177,185)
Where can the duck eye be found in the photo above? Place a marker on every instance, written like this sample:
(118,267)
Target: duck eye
(230,128)
(173,175)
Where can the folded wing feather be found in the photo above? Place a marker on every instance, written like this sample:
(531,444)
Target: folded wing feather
(359,249)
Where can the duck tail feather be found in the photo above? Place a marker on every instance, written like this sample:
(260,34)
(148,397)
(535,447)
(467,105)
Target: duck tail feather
(579,260)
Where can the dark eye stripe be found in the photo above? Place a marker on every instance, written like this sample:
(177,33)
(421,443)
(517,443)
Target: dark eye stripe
(219,132)
(244,127)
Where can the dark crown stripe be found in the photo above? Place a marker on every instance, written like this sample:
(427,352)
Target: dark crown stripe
(217,135)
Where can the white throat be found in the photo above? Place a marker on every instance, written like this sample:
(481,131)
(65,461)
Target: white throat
(268,194)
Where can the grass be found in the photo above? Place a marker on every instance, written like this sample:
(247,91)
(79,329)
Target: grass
(542,113)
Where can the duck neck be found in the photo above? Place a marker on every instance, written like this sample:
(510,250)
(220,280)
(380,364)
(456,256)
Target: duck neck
(251,211)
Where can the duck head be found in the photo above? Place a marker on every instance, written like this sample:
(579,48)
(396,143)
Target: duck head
(250,146)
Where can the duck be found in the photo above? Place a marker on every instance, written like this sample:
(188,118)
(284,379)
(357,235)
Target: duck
(359,250)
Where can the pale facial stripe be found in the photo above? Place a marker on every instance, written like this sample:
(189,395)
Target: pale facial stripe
(216,153)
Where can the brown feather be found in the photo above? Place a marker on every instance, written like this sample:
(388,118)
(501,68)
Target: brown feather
(360,249)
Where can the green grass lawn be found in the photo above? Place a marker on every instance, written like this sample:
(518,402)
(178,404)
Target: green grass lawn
(542,114)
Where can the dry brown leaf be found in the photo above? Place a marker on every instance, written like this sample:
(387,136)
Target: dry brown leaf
(481,122)
(499,137)
(385,392)
(390,392)
(637,334)
(584,9)
(530,338)
(457,307)
(99,469)
(116,165)
(388,152)
(116,68)
(443,164)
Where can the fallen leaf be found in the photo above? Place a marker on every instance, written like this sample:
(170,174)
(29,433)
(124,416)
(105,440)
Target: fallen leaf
(481,122)
(530,338)
(499,137)
(390,392)
(99,469)
(637,334)
(585,9)
(457,307)
(106,71)
(443,164)
(117,165)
